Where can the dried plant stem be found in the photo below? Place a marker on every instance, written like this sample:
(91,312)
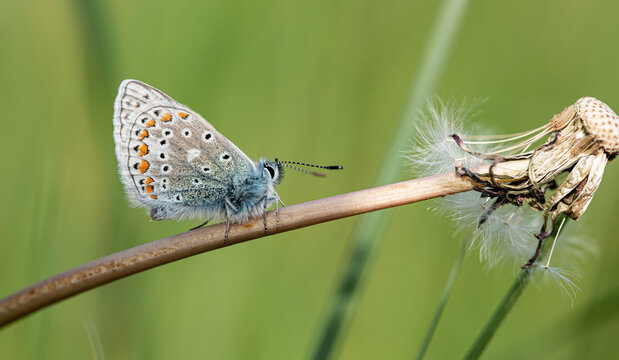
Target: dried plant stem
(176,247)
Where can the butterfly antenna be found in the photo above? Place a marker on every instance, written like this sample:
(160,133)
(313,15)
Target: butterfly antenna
(291,164)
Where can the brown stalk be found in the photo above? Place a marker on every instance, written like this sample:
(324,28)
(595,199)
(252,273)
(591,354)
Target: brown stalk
(180,246)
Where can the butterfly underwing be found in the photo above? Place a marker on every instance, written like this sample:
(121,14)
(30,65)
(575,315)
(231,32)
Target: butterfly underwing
(177,165)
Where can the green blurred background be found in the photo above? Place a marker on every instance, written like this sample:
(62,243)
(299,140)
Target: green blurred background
(320,81)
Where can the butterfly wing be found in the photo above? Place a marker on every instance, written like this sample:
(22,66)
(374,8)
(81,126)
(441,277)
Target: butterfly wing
(171,159)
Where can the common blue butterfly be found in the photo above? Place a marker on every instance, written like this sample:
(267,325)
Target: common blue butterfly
(176,164)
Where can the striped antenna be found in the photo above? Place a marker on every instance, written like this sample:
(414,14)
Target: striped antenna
(291,164)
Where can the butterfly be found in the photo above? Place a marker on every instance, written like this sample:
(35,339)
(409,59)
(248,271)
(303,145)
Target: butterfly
(177,165)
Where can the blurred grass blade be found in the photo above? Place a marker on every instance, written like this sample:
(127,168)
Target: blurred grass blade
(499,314)
(504,307)
(94,339)
(371,227)
(451,280)
(97,33)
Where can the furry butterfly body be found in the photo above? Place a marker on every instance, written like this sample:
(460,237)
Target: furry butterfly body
(176,164)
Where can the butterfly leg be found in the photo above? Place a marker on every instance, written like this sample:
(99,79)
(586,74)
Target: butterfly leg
(264,215)
(201,225)
(277,213)
(277,201)
(229,208)
(227,230)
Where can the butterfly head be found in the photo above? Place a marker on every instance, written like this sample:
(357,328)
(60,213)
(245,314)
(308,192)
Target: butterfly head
(272,170)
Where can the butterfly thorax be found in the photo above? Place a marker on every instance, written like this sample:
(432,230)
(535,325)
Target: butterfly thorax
(251,195)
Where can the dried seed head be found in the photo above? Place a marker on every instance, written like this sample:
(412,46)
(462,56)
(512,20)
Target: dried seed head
(582,139)
(601,122)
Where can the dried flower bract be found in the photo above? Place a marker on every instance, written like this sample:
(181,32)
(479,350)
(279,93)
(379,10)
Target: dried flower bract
(582,139)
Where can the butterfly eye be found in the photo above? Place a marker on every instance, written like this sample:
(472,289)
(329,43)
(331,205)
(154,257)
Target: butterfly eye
(271,171)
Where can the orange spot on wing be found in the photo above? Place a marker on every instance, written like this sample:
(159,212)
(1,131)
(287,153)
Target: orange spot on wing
(153,197)
(183,114)
(150,123)
(166,117)
(149,189)
(143,166)
(142,149)
(148,180)
(143,134)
